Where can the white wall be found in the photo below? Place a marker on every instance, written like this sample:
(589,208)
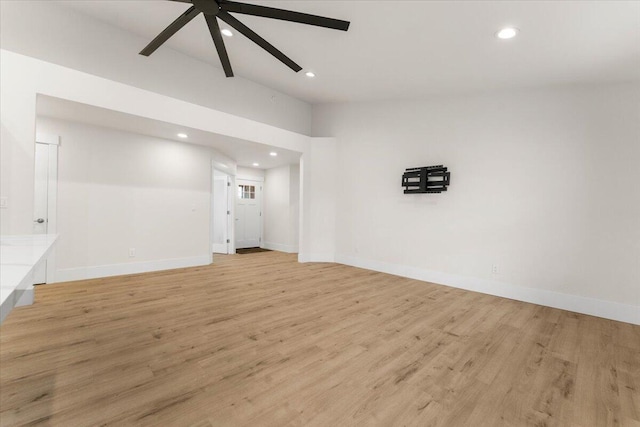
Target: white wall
(67,38)
(281,199)
(319,178)
(544,185)
(250,173)
(118,190)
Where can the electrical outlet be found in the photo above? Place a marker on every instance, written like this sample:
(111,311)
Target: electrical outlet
(132,252)
(494,269)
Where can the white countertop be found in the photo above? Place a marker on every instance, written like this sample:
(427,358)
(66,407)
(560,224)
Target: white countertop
(19,256)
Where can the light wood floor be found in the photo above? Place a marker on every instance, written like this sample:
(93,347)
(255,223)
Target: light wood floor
(260,340)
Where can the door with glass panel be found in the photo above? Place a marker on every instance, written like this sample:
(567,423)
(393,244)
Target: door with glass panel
(248,214)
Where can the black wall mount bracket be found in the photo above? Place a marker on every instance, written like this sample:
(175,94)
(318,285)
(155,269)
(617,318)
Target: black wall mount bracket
(426,179)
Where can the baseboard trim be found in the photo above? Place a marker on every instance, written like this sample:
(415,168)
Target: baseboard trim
(591,306)
(95,272)
(318,257)
(290,249)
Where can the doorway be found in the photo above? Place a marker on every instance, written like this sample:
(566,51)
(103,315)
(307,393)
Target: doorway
(248,214)
(221,213)
(45,198)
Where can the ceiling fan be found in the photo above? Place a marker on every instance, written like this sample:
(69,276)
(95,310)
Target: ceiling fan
(213,9)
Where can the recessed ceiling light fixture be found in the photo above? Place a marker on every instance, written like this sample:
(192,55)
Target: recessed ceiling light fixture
(310,74)
(256,164)
(507,33)
(273,154)
(183,135)
(226,32)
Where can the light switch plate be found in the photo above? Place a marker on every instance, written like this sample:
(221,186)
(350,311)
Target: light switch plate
(4,202)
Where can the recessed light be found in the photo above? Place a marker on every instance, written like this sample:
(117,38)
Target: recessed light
(273,154)
(256,164)
(183,135)
(507,33)
(310,74)
(227,32)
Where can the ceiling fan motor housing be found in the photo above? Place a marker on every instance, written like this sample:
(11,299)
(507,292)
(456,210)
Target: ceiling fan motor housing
(208,7)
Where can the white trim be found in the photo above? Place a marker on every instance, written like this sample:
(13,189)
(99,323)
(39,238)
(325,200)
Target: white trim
(250,178)
(302,203)
(45,138)
(318,257)
(52,205)
(291,249)
(224,248)
(591,306)
(231,225)
(94,272)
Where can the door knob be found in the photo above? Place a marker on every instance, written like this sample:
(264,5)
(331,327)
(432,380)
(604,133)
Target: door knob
(39,220)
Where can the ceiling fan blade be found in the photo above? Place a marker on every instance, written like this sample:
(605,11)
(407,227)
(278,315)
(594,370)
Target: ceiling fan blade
(182,1)
(251,35)
(182,20)
(214,29)
(285,15)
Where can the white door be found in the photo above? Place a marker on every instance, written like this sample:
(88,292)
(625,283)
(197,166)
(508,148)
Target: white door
(41,202)
(248,214)
(221,213)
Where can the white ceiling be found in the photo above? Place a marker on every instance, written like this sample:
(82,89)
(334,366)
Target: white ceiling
(245,153)
(408,49)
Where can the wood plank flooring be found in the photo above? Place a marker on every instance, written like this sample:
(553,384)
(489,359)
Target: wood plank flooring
(260,340)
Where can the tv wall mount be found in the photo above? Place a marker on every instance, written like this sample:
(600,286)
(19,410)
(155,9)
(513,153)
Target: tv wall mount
(427,179)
